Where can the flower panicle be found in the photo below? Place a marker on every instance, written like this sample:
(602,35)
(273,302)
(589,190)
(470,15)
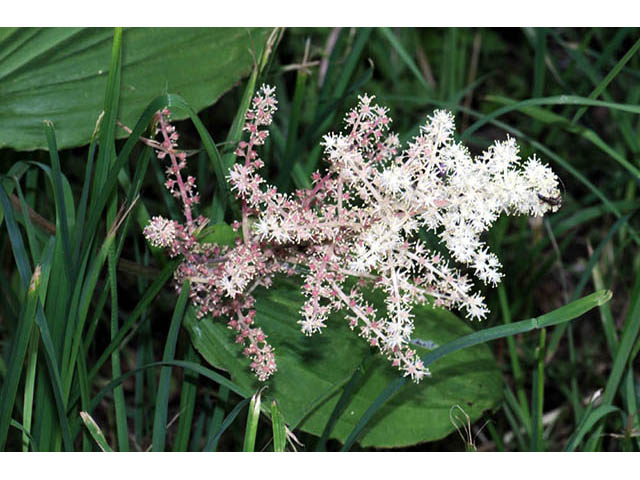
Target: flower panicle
(357,228)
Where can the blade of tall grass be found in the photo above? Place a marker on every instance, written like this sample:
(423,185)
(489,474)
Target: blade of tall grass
(17,356)
(594,76)
(217,417)
(58,195)
(32,442)
(187,404)
(622,358)
(343,402)
(47,408)
(100,199)
(558,333)
(201,370)
(513,356)
(54,377)
(122,430)
(85,393)
(515,428)
(613,73)
(279,428)
(630,399)
(97,314)
(530,35)
(539,68)
(32,241)
(558,316)
(194,367)
(95,431)
(450,49)
(107,130)
(82,301)
(162,397)
(32,361)
(495,436)
(518,412)
(29,387)
(537,396)
(212,442)
(404,56)
(588,421)
(144,355)
(9,180)
(284,179)
(196,438)
(15,238)
(627,340)
(86,186)
(555,100)
(253,418)
(606,317)
(133,192)
(130,325)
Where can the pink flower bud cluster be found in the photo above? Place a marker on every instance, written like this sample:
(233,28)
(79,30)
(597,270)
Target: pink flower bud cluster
(358,226)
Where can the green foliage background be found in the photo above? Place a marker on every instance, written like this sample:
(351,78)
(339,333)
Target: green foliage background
(90,333)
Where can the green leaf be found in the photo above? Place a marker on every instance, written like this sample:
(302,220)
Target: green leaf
(309,368)
(162,398)
(220,234)
(59,74)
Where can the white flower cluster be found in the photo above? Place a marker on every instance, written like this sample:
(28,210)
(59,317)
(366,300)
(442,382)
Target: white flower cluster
(370,207)
(362,218)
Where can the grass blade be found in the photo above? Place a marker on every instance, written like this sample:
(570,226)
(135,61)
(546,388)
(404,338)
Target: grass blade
(558,316)
(279,428)
(537,397)
(217,417)
(95,431)
(17,356)
(343,402)
(58,195)
(29,387)
(17,245)
(404,56)
(587,423)
(608,79)
(129,326)
(593,260)
(122,429)
(54,377)
(162,397)
(253,417)
(187,405)
(513,356)
(213,441)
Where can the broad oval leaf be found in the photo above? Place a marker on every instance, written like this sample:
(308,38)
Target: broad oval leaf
(310,367)
(60,74)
